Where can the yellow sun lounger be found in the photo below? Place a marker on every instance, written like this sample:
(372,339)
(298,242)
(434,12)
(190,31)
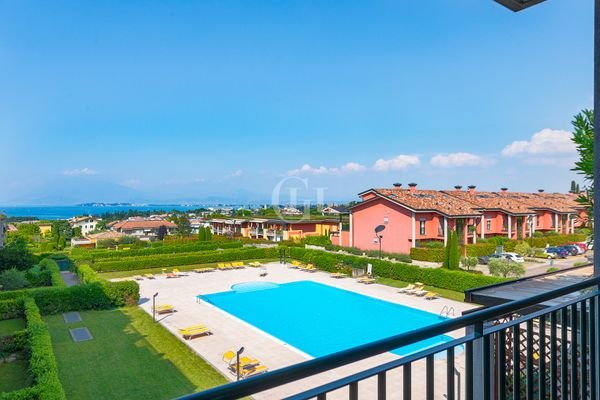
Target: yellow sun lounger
(149,276)
(338,275)
(432,296)
(230,359)
(418,288)
(195,330)
(253,370)
(296,264)
(203,270)
(254,264)
(237,264)
(309,268)
(406,288)
(164,308)
(366,280)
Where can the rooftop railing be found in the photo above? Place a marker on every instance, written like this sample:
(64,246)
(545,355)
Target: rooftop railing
(513,350)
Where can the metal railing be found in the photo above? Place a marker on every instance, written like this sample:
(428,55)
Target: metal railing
(510,351)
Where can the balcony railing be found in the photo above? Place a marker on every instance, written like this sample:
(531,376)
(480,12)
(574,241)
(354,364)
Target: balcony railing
(515,350)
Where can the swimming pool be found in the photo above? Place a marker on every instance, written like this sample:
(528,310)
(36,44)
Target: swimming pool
(319,319)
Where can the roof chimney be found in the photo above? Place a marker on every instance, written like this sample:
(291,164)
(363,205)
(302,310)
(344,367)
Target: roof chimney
(504,189)
(412,187)
(397,185)
(457,188)
(472,189)
(541,190)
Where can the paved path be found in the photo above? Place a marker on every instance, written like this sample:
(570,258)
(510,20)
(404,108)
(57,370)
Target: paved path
(229,333)
(70,278)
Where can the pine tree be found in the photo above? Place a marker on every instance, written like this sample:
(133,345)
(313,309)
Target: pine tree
(452,253)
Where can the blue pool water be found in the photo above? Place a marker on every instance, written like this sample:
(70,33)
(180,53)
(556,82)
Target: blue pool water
(320,319)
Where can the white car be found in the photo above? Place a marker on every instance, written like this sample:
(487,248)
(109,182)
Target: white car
(514,257)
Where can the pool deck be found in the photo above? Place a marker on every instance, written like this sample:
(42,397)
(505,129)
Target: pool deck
(230,333)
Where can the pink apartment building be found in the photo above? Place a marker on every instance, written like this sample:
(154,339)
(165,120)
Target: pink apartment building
(411,216)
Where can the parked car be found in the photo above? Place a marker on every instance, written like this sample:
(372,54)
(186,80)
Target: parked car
(573,250)
(581,246)
(559,251)
(513,257)
(549,255)
(484,260)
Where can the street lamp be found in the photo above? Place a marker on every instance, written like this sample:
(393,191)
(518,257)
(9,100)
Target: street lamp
(237,365)
(378,230)
(154,306)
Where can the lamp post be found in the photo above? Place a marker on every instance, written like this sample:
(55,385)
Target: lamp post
(237,365)
(154,306)
(378,230)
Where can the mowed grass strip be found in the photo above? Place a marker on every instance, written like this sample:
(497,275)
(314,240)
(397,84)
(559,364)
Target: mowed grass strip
(14,375)
(446,293)
(159,270)
(10,326)
(130,357)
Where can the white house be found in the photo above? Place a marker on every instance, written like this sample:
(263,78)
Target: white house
(3,228)
(87,224)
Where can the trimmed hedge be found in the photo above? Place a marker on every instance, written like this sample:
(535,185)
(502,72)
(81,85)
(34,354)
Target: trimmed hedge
(438,277)
(187,259)
(120,293)
(56,279)
(370,253)
(480,249)
(432,254)
(42,362)
(97,255)
(11,308)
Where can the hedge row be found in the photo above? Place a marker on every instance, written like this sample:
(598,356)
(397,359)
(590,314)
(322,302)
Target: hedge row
(119,293)
(187,259)
(489,246)
(96,255)
(432,254)
(438,277)
(370,253)
(56,279)
(42,363)
(11,308)
(96,296)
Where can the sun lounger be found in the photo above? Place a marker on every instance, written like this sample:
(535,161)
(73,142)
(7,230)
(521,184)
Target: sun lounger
(338,275)
(138,278)
(195,330)
(172,275)
(309,268)
(296,264)
(253,370)
(230,359)
(406,288)
(421,293)
(254,264)
(176,271)
(238,265)
(366,280)
(203,270)
(431,296)
(228,266)
(414,290)
(149,276)
(164,309)
(221,266)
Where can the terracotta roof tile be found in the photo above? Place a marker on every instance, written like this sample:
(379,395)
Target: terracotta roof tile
(430,200)
(492,201)
(130,225)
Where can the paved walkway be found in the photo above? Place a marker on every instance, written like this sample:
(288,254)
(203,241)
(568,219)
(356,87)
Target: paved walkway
(230,333)
(70,278)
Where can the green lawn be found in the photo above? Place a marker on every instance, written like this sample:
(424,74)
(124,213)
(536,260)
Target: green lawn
(10,326)
(14,375)
(446,293)
(125,274)
(130,357)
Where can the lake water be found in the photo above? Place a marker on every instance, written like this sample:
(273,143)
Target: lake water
(64,212)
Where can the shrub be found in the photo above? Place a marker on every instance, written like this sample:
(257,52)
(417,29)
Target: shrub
(438,277)
(119,293)
(480,249)
(321,240)
(552,269)
(524,249)
(371,253)
(12,279)
(11,308)
(16,254)
(468,262)
(505,268)
(42,363)
(37,276)
(427,254)
(434,244)
(186,259)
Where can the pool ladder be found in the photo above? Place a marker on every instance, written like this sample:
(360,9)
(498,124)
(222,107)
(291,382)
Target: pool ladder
(447,311)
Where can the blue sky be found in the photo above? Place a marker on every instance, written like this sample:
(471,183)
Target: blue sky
(192,101)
